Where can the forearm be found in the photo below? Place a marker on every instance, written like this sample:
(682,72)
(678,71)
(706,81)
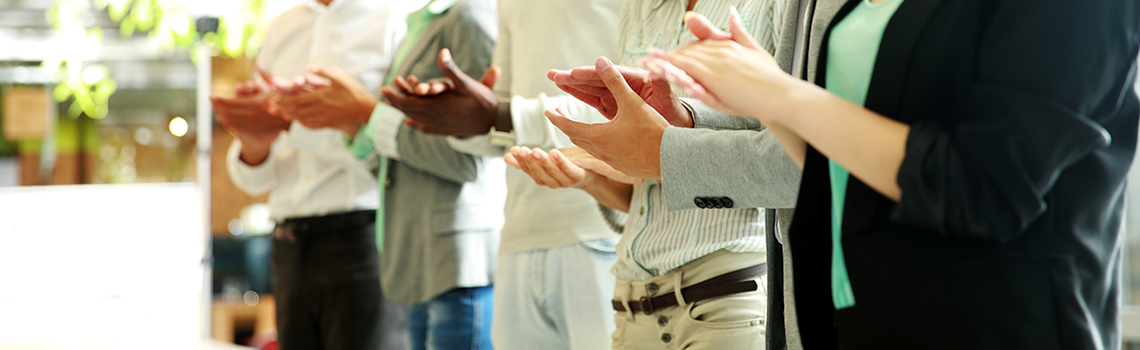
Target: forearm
(610,193)
(871,147)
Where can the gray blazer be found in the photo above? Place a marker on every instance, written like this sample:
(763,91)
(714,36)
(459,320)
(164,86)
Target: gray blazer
(751,180)
(444,208)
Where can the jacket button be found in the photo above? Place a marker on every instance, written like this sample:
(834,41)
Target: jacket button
(662,321)
(666,337)
(700,202)
(652,288)
(727,202)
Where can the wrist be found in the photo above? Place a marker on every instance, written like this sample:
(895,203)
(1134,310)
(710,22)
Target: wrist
(687,118)
(502,120)
(254,153)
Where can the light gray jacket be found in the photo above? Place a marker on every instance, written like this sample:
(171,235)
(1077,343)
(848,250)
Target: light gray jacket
(443,208)
(745,165)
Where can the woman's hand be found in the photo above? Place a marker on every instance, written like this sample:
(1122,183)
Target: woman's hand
(735,76)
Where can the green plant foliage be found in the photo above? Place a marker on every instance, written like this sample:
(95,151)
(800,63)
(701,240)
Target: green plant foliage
(168,25)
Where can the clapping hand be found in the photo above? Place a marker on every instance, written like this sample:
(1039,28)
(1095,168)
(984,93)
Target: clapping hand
(462,106)
(563,168)
(329,99)
(585,84)
(631,141)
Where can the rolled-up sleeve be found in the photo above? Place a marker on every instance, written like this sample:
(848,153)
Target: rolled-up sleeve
(1045,76)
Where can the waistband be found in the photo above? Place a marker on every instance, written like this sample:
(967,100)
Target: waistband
(329,223)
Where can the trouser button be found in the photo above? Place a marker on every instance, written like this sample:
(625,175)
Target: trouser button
(666,337)
(662,321)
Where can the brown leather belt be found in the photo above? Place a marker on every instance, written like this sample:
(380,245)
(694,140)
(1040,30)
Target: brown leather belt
(735,282)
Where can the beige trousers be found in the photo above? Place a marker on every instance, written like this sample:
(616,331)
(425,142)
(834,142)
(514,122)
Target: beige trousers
(726,323)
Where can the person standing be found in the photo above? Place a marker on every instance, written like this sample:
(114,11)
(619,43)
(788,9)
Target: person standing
(442,209)
(552,286)
(326,265)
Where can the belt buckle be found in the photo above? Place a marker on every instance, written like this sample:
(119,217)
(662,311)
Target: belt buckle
(284,232)
(646,305)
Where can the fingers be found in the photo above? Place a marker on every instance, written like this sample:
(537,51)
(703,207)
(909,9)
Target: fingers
(451,70)
(673,74)
(542,168)
(555,171)
(740,34)
(616,82)
(570,127)
(491,76)
(704,29)
(402,84)
(265,75)
(334,74)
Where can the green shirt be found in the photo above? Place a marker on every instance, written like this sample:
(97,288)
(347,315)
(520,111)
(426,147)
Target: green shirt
(362,146)
(851,54)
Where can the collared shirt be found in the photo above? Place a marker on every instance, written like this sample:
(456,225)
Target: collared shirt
(656,240)
(310,172)
(535,36)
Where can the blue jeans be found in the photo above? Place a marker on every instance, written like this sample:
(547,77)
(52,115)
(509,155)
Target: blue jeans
(459,319)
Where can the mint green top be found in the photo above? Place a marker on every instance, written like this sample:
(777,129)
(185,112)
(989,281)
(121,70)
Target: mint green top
(851,54)
(361,146)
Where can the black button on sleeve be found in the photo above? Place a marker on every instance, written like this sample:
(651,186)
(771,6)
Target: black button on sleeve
(727,202)
(700,202)
(716,203)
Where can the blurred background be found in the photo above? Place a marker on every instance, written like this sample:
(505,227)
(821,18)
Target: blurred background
(118,225)
(119,228)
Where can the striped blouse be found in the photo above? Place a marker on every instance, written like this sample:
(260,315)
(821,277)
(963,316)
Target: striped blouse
(656,240)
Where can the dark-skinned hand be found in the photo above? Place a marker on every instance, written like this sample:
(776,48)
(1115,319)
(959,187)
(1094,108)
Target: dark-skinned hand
(631,141)
(467,109)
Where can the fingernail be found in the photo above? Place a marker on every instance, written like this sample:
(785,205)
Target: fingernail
(655,52)
(732,10)
(603,63)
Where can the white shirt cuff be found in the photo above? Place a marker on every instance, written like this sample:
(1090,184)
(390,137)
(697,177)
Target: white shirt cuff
(387,130)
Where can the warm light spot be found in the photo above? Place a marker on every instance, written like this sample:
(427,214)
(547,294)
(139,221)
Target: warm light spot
(178,126)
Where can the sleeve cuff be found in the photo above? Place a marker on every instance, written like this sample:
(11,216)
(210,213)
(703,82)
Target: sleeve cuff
(386,124)
(477,145)
(245,175)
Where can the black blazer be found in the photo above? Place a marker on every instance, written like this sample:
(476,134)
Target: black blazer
(1023,126)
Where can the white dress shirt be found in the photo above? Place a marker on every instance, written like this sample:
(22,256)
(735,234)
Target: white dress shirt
(534,37)
(311,172)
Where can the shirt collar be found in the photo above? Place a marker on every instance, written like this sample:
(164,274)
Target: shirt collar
(440,6)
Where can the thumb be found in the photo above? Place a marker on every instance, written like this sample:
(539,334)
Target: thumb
(740,34)
(451,70)
(491,76)
(703,29)
(572,128)
(615,82)
(334,75)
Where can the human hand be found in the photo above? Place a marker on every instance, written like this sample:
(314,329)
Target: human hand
(585,84)
(631,141)
(246,115)
(341,104)
(467,109)
(561,168)
(413,86)
(735,75)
